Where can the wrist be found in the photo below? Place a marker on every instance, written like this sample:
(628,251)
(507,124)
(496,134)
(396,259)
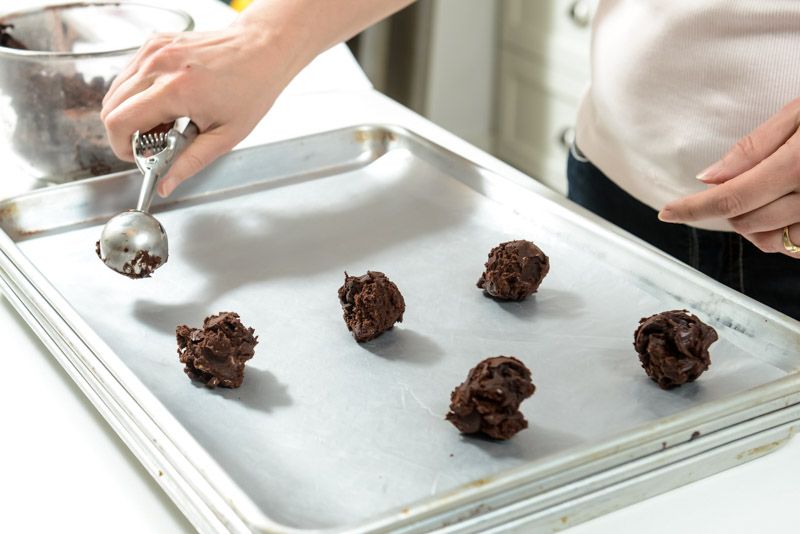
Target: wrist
(273,30)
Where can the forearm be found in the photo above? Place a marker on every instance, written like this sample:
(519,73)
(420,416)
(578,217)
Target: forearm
(302,29)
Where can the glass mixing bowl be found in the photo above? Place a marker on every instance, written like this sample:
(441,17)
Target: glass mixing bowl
(56,63)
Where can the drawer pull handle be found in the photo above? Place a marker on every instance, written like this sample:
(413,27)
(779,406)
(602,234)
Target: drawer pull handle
(581,13)
(566,137)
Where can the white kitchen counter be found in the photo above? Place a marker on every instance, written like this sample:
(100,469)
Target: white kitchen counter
(64,470)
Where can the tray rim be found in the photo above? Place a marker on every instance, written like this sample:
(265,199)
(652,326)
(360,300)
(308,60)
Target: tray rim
(68,335)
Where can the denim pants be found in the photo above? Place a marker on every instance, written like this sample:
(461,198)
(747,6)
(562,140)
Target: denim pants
(773,279)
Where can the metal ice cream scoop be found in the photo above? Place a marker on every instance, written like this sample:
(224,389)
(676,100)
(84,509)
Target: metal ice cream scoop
(134,243)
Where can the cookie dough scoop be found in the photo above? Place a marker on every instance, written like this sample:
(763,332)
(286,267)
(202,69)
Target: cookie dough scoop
(134,243)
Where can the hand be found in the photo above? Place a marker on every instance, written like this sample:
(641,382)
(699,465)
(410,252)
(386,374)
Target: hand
(225,81)
(756,185)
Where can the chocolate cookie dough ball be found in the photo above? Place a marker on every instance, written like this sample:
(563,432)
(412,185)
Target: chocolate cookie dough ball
(216,353)
(488,400)
(371,305)
(514,270)
(673,347)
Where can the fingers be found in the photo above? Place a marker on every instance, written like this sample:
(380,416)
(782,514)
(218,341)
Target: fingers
(133,85)
(756,186)
(133,102)
(771,179)
(132,68)
(773,216)
(220,79)
(142,112)
(773,241)
(156,60)
(751,149)
(202,151)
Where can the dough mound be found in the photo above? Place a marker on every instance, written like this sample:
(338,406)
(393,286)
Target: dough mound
(488,400)
(514,271)
(372,304)
(216,353)
(673,347)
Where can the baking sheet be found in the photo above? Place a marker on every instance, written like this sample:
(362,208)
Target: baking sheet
(325,432)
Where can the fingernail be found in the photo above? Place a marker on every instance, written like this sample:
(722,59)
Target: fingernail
(711,172)
(666,215)
(165,188)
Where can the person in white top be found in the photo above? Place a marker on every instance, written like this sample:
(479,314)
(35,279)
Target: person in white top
(676,87)
(693,112)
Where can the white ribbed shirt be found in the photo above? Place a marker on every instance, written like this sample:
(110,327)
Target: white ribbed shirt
(675,83)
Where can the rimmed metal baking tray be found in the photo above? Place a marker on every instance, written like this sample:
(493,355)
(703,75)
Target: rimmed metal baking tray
(326,434)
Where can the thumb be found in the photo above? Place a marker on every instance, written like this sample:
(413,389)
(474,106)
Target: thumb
(756,146)
(207,147)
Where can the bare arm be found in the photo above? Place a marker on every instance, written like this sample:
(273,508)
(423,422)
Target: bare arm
(227,80)
(316,25)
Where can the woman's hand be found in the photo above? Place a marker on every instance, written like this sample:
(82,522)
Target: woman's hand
(756,185)
(227,80)
(224,80)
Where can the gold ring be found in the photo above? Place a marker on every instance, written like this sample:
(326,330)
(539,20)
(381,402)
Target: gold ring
(787,242)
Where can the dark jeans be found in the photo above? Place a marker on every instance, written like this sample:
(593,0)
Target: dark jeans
(773,279)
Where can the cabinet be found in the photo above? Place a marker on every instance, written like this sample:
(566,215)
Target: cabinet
(542,71)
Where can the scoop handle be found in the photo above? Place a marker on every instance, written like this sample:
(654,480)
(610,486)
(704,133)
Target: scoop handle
(178,143)
(149,183)
(184,138)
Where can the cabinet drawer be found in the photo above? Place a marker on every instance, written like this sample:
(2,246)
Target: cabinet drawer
(558,30)
(531,24)
(535,121)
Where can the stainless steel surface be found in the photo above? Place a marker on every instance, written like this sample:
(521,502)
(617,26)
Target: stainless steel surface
(51,92)
(614,488)
(328,433)
(126,236)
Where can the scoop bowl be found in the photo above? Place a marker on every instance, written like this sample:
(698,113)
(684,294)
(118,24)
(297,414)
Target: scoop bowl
(133,244)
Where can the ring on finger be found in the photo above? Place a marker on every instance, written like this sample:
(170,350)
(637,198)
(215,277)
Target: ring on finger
(787,242)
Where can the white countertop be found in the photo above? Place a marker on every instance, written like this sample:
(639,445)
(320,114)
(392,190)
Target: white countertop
(63,469)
